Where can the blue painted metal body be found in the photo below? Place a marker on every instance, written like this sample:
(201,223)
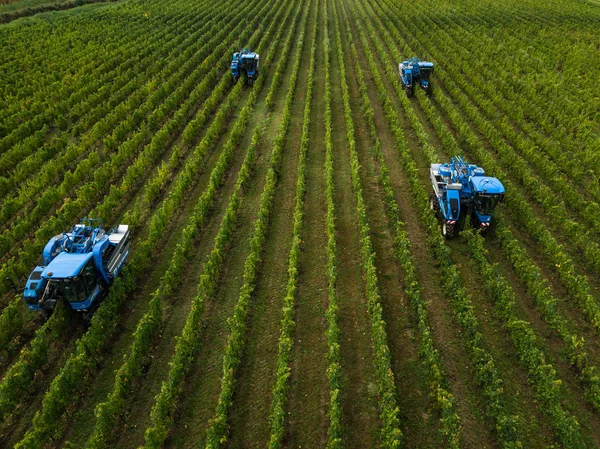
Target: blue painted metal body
(459,187)
(78,267)
(415,71)
(246,63)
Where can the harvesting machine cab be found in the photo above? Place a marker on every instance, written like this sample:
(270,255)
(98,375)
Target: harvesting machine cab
(245,62)
(415,71)
(78,268)
(462,189)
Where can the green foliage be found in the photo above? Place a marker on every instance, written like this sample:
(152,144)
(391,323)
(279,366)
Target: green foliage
(17,380)
(286,339)
(439,393)
(486,371)
(149,325)
(538,287)
(187,344)
(217,430)
(156,125)
(390,434)
(334,374)
(105,320)
(541,373)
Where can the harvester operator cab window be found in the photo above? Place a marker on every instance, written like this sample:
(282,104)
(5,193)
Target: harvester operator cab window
(485,204)
(54,290)
(89,277)
(72,290)
(78,289)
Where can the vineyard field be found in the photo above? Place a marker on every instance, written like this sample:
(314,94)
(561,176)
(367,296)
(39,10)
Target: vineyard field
(288,283)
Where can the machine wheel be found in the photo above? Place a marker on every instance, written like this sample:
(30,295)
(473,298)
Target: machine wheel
(447,230)
(434,204)
(409,91)
(87,316)
(235,79)
(483,230)
(250,82)
(45,314)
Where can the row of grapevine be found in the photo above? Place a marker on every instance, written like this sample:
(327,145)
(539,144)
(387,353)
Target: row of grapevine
(92,107)
(46,98)
(105,320)
(17,380)
(124,128)
(548,306)
(127,188)
(90,191)
(431,359)
(334,369)
(12,319)
(218,428)
(576,284)
(487,374)
(154,318)
(494,83)
(542,374)
(277,77)
(286,338)
(556,210)
(390,433)
(181,185)
(525,102)
(155,187)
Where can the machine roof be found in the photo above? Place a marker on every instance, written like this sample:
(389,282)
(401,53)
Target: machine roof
(66,265)
(488,185)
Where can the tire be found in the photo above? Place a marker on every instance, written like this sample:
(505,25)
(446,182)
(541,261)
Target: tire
(434,204)
(447,230)
(235,79)
(45,315)
(409,91)
(87,316)
(250,82)
(476,223)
